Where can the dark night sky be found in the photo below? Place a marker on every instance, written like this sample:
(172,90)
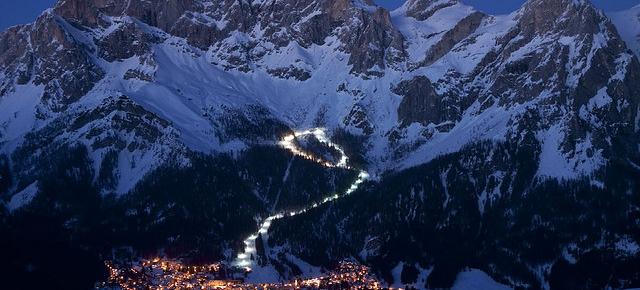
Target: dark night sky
(17,12)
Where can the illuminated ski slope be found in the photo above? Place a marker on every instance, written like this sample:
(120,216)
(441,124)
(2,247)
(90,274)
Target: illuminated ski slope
(246,259)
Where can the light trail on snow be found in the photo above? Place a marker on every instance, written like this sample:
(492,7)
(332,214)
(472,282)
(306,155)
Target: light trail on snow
(246,259)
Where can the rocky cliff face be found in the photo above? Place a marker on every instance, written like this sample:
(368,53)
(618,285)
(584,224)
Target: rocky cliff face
(46,54)
(553,73)
(424,9)
(565,58)
(149,87)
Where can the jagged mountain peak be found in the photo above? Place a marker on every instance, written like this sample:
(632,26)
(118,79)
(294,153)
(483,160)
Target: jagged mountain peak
(531,3)
(160,13)
(567,16)
(429,54)
(163,13)
(423,9)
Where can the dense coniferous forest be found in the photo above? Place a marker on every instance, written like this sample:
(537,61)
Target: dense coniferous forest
(437,216)
(62,238)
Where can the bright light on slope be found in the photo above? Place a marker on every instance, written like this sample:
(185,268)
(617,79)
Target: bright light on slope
(246,259)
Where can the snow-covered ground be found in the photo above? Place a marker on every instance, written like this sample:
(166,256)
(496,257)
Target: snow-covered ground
(247,258)
(628,24)
(477,280)
(23,197)
(190,88)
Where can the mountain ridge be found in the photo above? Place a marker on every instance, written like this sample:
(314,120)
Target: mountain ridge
(454,105)
(452,100)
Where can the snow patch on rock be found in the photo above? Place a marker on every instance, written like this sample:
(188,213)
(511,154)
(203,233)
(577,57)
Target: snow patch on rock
(476,280)
(23,197)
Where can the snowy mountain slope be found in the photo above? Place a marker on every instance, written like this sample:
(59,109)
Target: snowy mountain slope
(509,85)
(348,64)
(627,24)
(330,63)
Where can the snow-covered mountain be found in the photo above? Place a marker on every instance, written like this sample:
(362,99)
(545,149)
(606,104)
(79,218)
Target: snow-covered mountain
(627,22)
(421,81)
(550,92)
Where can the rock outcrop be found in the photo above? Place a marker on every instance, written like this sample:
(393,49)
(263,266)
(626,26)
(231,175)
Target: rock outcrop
(423,9)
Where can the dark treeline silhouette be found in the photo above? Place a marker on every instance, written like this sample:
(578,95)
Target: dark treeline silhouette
(194,212)
(483,208)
